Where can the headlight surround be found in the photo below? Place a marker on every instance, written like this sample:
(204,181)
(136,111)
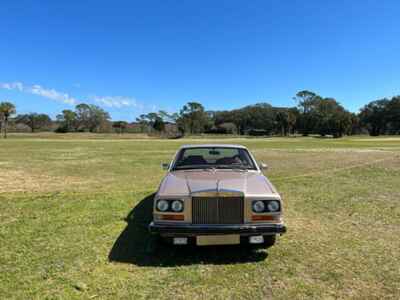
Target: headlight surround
(162,205)
(258,206)
(273,206)
(177,206)
(170,205)
(262,206)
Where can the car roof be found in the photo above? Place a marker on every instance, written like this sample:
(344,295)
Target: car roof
(212,145)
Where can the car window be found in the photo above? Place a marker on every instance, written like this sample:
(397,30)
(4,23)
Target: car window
(214,157)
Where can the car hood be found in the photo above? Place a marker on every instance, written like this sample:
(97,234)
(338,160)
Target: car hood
(186,183)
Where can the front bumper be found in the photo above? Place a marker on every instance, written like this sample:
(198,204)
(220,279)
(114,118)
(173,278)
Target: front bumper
(171,230)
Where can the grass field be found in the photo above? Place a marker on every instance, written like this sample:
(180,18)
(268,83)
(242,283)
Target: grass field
(74,210)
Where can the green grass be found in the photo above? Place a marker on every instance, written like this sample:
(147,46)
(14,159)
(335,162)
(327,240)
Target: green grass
(74,209)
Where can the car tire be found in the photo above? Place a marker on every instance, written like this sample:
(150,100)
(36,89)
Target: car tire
(269,240)
(165,241)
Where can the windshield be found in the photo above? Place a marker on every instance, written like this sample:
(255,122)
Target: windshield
(214,157)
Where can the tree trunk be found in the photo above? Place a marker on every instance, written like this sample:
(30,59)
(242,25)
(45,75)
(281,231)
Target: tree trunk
(5,127)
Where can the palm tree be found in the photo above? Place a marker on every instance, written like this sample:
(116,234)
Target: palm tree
(6,109)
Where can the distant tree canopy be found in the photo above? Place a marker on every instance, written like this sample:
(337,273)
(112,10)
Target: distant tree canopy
(324,116)
(381,116)
(193,118)
(260,117)
(120,126)
(313,114)
(34,121)
(90,117)
(86,117)
(68,121)
(152,120)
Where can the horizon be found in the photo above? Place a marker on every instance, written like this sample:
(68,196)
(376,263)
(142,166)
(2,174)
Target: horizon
(136,58)
(54,118)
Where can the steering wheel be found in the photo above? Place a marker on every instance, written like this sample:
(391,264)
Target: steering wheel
(237,158)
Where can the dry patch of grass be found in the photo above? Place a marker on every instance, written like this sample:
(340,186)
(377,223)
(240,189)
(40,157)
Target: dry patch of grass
(285,165)
(12,181)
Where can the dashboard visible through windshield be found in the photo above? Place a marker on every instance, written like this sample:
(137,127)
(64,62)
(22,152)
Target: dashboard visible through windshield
(215,158)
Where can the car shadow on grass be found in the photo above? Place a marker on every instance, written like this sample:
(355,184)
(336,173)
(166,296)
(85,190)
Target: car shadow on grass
(136,246)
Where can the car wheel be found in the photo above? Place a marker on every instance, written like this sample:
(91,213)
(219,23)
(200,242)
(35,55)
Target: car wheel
(165,241)
(269,240)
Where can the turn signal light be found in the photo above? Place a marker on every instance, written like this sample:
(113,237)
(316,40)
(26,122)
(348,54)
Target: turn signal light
(264,218)
(173,217)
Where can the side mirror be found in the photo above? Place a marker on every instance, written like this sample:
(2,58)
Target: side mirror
(263,166)
(165,166)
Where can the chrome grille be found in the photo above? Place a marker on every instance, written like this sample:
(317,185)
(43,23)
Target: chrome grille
(223,210)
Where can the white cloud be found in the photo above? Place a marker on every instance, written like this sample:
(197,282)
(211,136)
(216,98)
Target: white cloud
(53,94)
(12,86)
(116,101)
(40,91)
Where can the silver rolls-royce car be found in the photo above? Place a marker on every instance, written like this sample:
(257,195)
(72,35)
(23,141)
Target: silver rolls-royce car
(215,195)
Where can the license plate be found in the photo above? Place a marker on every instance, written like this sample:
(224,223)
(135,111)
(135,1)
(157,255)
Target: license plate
(227,239)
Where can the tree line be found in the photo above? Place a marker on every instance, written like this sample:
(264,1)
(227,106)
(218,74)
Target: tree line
(312,114)
(382,116)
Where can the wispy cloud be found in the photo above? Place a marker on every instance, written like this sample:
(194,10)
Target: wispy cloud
(53,94)
(12,86)
(40,91)
(117,101)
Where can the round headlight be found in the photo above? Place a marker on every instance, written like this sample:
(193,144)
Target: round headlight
(273,206)
(162,205)
(258,206)
(177,205)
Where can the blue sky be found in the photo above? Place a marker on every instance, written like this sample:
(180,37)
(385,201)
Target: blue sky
(133,57)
